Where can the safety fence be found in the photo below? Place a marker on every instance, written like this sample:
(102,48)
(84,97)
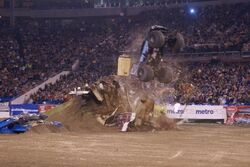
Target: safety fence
(7,110)
(211,54)
(227,114)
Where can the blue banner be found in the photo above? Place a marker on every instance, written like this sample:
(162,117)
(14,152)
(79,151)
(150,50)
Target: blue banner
(5,99)
(23,109)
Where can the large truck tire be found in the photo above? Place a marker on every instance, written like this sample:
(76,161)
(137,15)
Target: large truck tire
(165,75)
(145,73)
(180,43)
(156,39)
(176,42)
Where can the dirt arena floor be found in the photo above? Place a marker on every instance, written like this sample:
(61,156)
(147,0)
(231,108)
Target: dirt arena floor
(191,146)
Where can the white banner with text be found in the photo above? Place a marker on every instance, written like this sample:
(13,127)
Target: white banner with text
(206,112)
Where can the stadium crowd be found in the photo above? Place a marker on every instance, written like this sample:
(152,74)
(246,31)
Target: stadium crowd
(215,83)
(83,4)
(38,49)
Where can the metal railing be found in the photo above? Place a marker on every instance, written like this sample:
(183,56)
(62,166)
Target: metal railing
(211,54)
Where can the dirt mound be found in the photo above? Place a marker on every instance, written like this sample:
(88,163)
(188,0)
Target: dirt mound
(164,123)
(46,128)
(78,116)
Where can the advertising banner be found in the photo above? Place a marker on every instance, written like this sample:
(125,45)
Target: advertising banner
(4,110)
(5,99)
(205,112)
(244,109)
(23,109)
(4,114)
(4,107)
(46,107)
(238,114)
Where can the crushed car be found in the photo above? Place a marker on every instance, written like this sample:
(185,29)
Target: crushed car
(22,123)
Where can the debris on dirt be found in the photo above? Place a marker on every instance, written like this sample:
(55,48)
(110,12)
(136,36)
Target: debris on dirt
(123,102)
(114,102)
(79,117)
(47,128)
(144,111)
(24,122)
(242,121)
(164,123)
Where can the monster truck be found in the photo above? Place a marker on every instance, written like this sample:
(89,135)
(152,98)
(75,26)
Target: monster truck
(158,39)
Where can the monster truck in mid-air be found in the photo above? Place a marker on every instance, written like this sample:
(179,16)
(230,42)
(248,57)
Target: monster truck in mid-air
(157,40)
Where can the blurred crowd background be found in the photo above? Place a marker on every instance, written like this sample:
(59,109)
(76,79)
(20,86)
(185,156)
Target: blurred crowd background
(37,49)
(83,4)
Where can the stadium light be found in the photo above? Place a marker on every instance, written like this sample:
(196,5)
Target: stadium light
(192,11)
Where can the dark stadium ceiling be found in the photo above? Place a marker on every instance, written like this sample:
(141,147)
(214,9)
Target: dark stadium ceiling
(78,4)
(84,8)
